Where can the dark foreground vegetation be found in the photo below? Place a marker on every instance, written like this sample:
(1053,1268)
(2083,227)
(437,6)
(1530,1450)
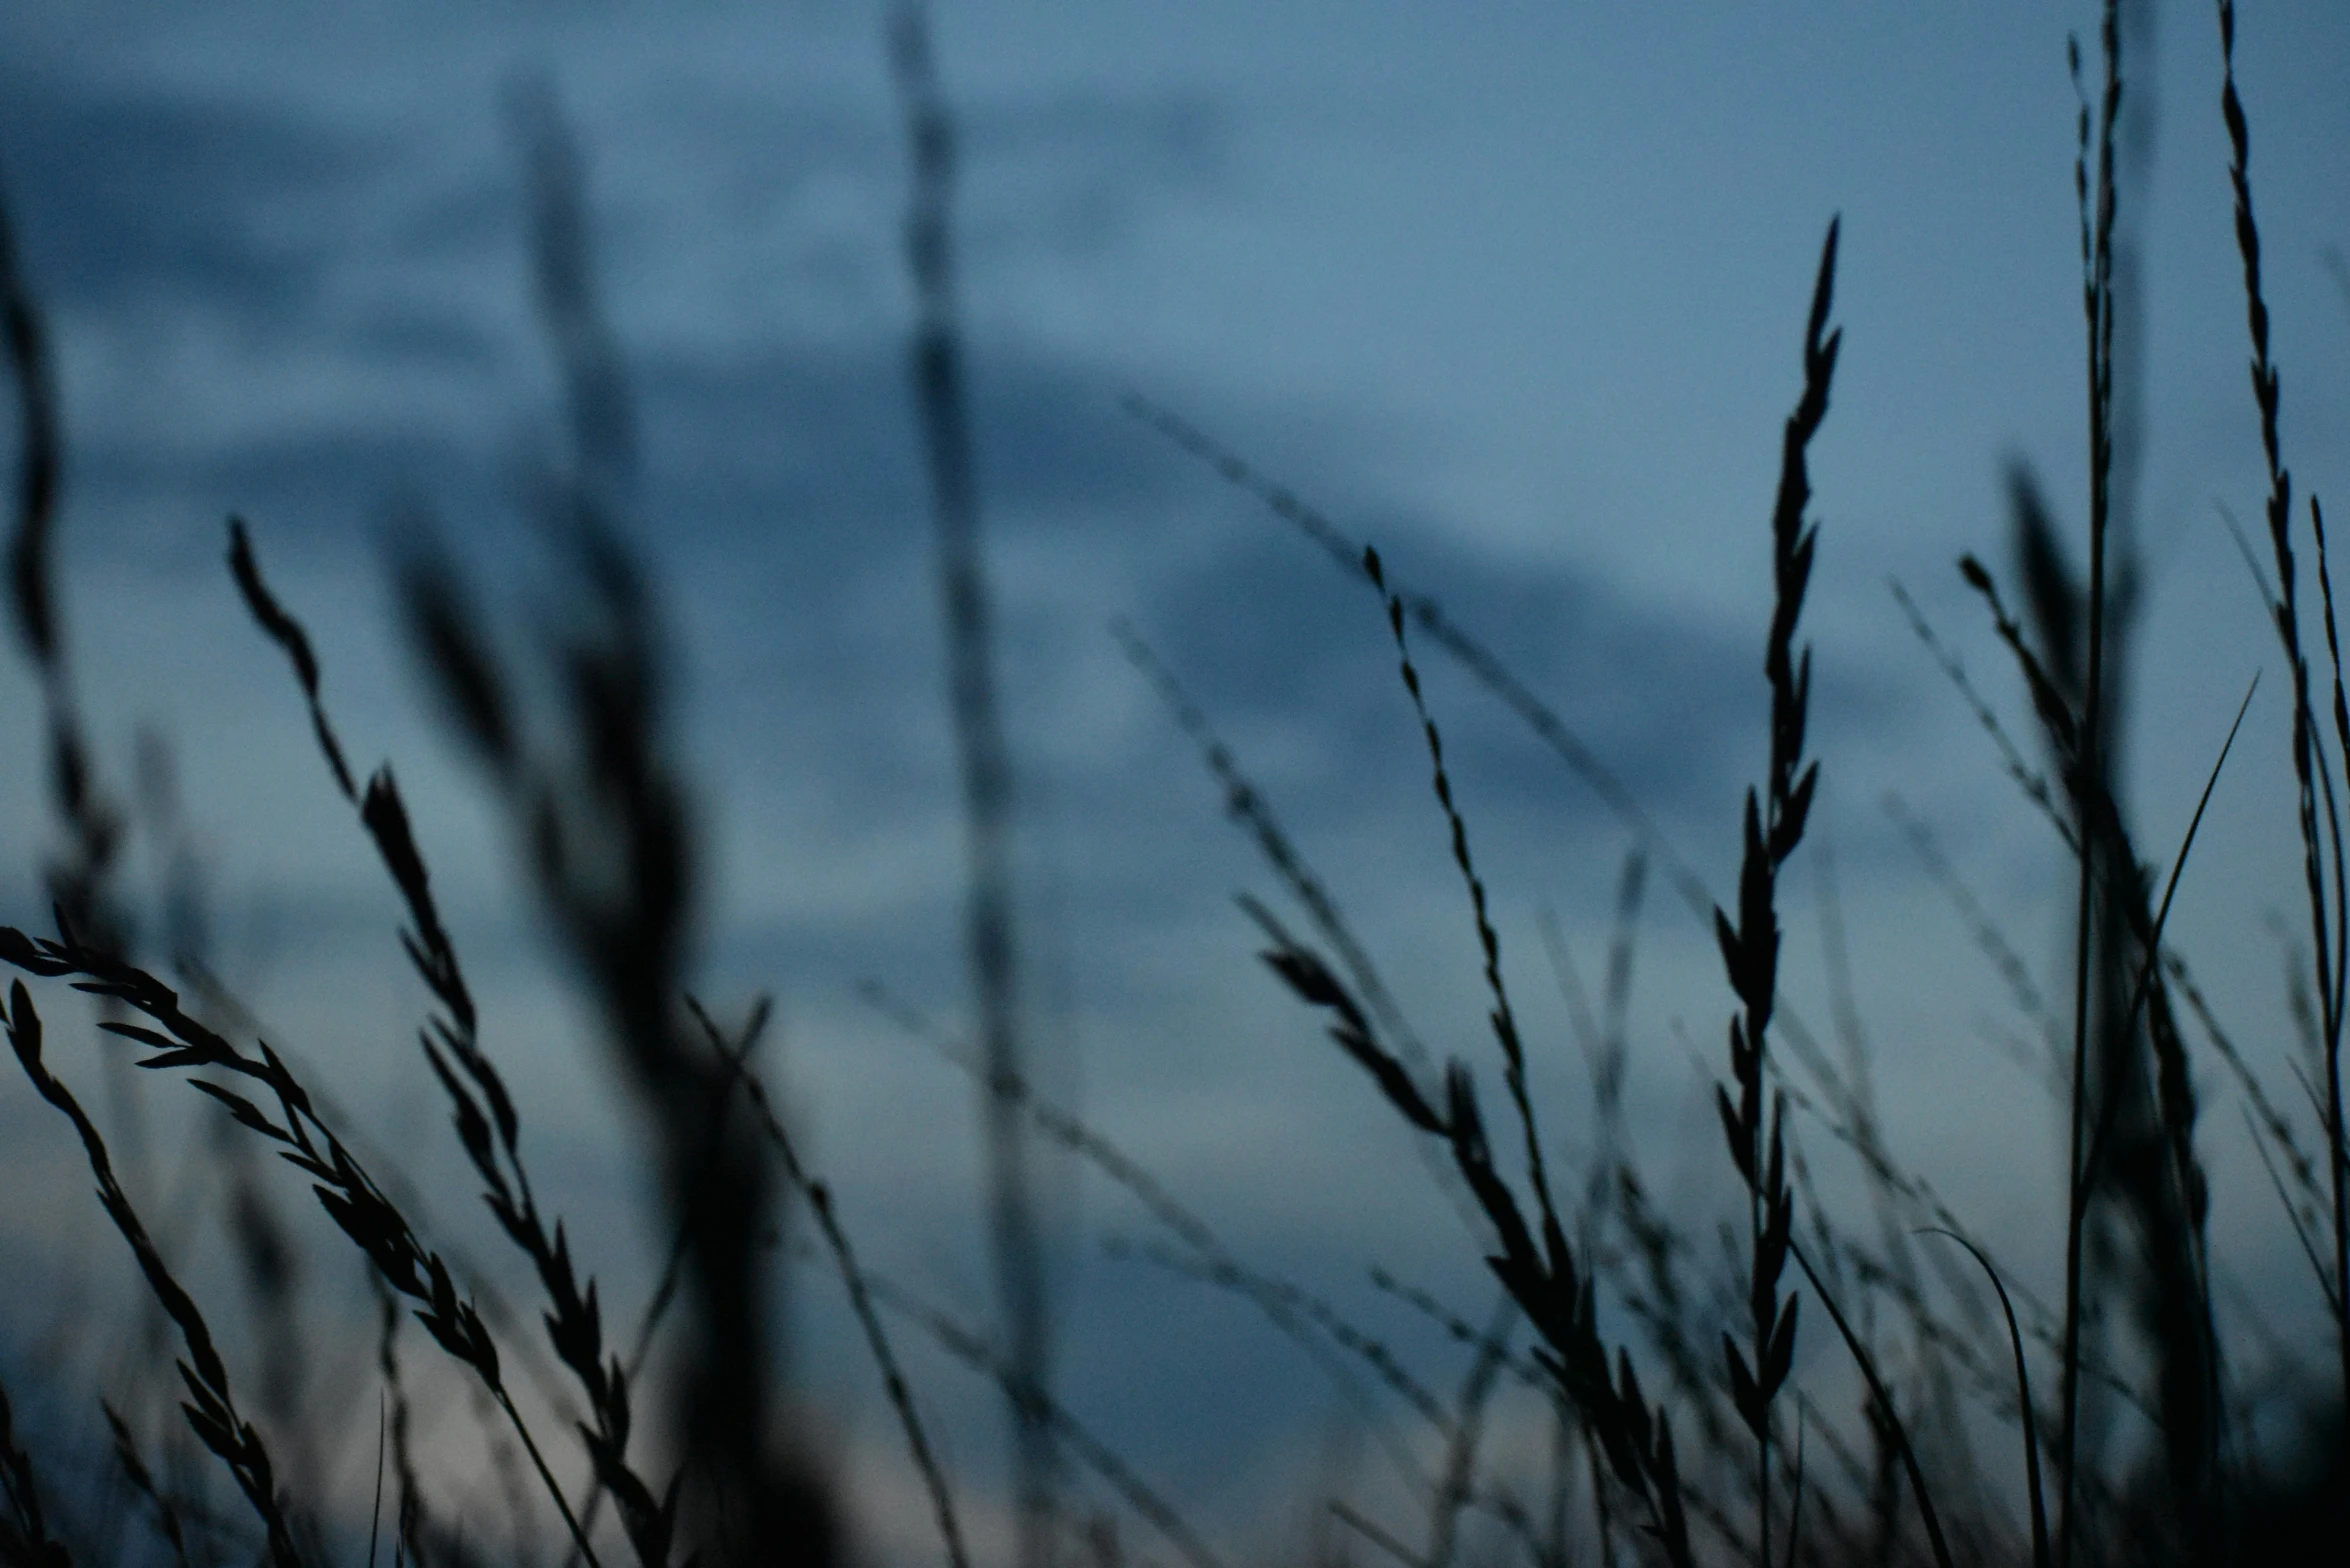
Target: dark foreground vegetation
(1679,1431)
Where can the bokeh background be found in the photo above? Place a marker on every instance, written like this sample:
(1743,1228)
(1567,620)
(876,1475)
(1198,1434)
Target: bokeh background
(1515,292)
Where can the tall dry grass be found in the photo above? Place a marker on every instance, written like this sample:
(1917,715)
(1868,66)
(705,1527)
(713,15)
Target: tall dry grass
(1679,1430)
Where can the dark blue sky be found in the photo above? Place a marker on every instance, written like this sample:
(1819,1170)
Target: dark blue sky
(1516,293)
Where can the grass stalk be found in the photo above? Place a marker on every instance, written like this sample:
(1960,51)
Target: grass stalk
(94,825)
(1750,944)
(351,1197)
(2312,772)
(1547,1281)
(1458,643)
(2096,284)
(853,1278)
(483,1112)
(1503,1018)
(1247,806)
(2033,1491)
(991,948)
(212,1410)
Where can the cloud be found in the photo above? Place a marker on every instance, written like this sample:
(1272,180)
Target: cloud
(147,199)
